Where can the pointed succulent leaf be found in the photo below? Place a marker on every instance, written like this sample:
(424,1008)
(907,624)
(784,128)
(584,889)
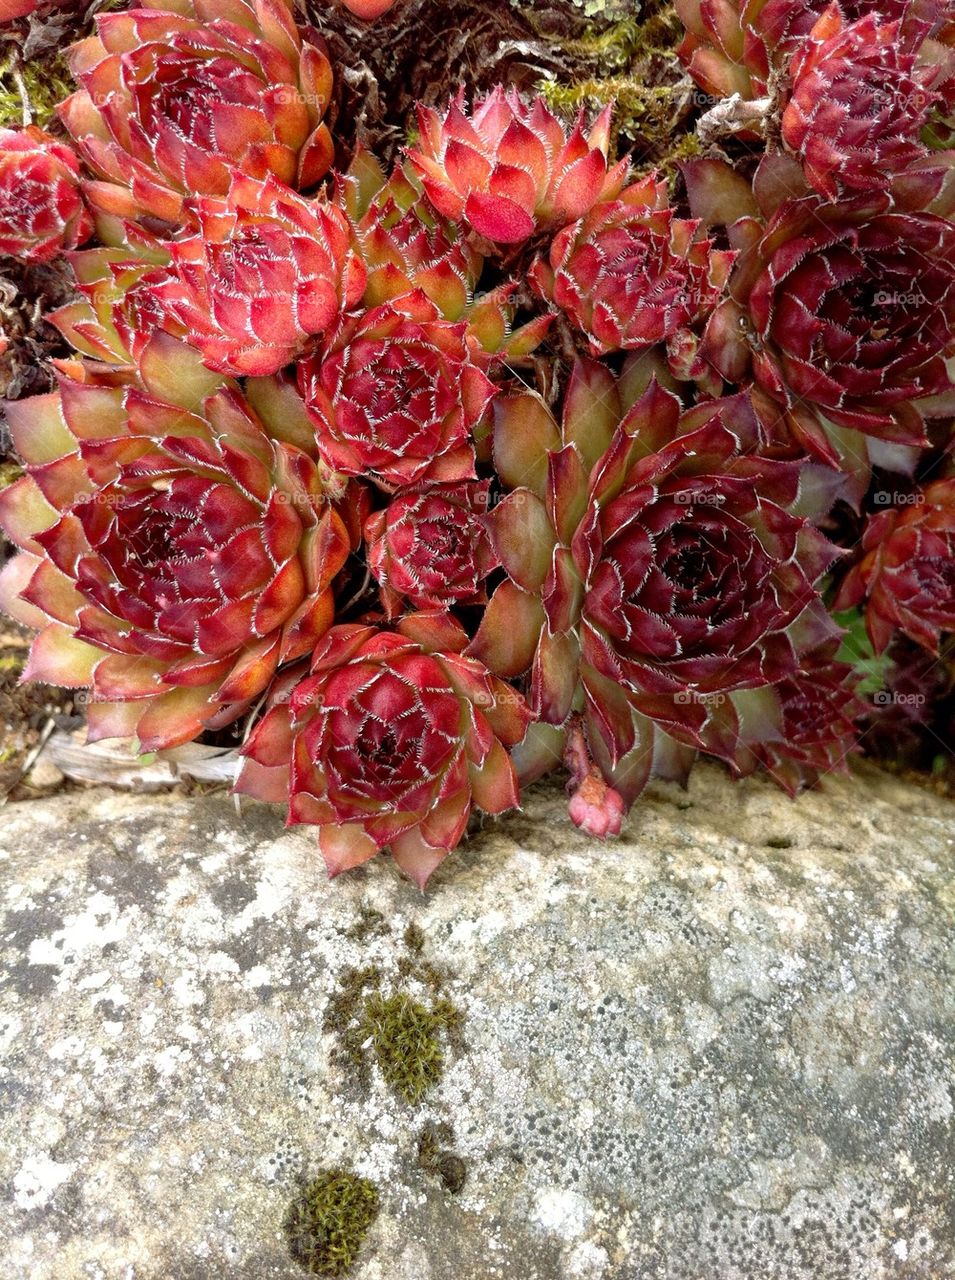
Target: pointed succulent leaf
(523,537)
(592,410)
(539,752)
(555,677)
(566,491)
(507,637)
(718,195)
(524,433)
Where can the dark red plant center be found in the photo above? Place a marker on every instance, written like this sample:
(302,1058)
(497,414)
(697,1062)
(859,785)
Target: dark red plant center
(387,740)
(393,401)
(21,204)
(935,576)
(703,578)
(445,551)
(185,94)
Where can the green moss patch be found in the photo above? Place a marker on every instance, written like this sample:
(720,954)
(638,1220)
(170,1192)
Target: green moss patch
(38,86)
(370,924)
(405,1037)
(327,1222)
(633,65)
(403,1027)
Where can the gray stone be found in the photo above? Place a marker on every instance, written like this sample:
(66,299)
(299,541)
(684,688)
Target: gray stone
(719,1048)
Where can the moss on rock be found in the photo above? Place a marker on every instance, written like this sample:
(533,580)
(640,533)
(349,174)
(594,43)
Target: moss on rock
(402,1027)
(326,1224)
(405,1036)
(436,1157)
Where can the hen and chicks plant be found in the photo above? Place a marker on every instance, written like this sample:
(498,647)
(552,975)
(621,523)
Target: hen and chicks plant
(433,482)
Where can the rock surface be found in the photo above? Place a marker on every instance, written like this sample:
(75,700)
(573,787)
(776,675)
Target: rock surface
(717,1049)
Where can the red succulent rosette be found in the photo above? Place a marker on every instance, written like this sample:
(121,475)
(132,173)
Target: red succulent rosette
(117,311)
(842,313)
(406,247)
(266,271)
(41,208)
(174,97)
(508,169)
(297,472)
(430,547)
(395,395)
(178,543)
(858,104)
(898,719)
(693,568)
(855,314)
(659,574)
(630,273)
(404,244)
(906,575)
(389,741)
(817,730)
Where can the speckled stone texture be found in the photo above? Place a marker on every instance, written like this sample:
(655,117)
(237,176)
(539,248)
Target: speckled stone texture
(717,1049)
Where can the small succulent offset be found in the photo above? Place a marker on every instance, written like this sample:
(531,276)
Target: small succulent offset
(906,576)
(41,209)
(425,484)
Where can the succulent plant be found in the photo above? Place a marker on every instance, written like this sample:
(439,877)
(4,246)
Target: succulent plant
(117,311)
(404,243)
(785,23)
(841,313)
(655,569)
(430,548)
(906,574)
(508,170)
(898,715)
(173,96)
(41,209)
(178,541)
(630,274)
(819,711)
(407,246)
(316,474)
(395,395)
(858,104)
(388,740)
(266,271)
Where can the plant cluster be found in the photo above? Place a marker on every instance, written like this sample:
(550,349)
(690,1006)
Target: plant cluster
(429,483)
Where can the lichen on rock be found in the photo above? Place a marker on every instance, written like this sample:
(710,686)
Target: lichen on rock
(716,1047)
